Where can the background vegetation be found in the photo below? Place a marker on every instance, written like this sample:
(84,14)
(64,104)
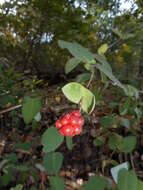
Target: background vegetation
(34,66)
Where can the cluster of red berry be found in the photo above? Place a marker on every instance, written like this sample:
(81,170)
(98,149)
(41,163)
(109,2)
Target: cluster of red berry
(70,124)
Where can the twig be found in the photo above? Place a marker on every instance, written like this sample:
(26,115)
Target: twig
(91,77)
(5,93)
(10,109)
(132,162)
(23,151)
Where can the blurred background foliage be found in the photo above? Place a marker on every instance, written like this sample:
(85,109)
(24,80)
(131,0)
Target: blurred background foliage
(30,29)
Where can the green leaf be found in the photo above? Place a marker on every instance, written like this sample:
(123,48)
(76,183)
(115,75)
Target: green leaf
(78,51)
(131,91)
(115,141)
(123,108)
(99,141)
(103,48)
(101,59)
(71,64)
(18,187)
(7,99)
(84,77)
(53,162)
(87,66)
(23,146)
(138,112)
(57,183)
(7,177)
(107,70)
(96,182)
(139,185)
(127,180)
(51,139)
(12,158)
(129,144)
(75,92)
(69,142)
(31,106)
(107,121)
(115,170)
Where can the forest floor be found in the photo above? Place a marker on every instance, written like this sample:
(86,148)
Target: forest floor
(84,160)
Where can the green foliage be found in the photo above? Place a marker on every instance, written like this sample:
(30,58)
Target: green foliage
(99,141)
(125,122)
(102,50)
(115,141)
(139,185)
(57,183)
(71,64)
(51,139)
(52,162)
(115,170)
(131,91)
(129,144)
(126,144)
(31,106)
(96,182)
(24,146)
(78,51)
(28,41)
(77,93)
(107,121)
(7,99)
(84,77)
(123,108)
(18,187)
(127,180)
(69,142)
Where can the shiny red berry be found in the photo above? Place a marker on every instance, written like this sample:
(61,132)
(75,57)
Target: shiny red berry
(66,130)
(76,113)
(74,120)
(58,124)
(67,116)
(81,121)
(64,121)
(77,130)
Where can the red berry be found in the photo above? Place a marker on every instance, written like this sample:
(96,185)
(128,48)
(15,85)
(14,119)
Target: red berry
(77,129)
(80,121)
(64,121)
(67,116)
(74,120)
(66,130)
(58,124)
(76,113)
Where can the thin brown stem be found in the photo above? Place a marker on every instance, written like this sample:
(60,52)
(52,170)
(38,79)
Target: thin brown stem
(91,77)
(10,109)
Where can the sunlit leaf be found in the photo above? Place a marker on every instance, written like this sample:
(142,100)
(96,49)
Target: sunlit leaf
(102,49)
(76,93)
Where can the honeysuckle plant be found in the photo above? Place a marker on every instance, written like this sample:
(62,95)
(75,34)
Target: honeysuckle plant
(71,124)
